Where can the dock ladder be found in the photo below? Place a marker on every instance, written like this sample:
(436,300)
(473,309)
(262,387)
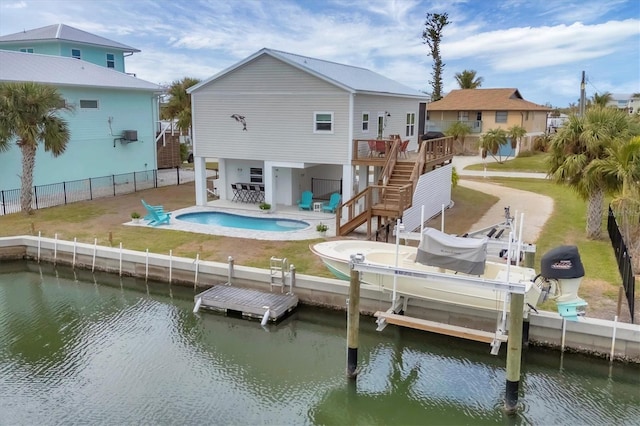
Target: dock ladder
(279,272)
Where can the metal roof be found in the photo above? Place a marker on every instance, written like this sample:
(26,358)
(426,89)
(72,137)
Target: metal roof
(63,71)
(350,78)
(64,32)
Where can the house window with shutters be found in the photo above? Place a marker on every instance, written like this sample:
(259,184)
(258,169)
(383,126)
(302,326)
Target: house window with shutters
(501,116)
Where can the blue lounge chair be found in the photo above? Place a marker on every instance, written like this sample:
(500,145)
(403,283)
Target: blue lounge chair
(333,203)
(159,209)
(306,201)
(156,215)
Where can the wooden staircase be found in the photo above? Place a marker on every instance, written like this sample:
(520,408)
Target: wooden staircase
(393,193)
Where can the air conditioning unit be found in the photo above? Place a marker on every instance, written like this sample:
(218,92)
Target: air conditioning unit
(130,135)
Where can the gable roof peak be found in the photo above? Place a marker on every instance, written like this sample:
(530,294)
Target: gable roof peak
(66,33)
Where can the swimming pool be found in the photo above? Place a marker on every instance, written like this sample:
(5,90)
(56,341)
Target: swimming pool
(245,222)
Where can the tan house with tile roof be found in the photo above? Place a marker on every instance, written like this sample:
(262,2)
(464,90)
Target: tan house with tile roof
(486,109)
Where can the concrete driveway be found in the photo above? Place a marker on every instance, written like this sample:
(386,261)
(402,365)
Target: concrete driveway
(536,208)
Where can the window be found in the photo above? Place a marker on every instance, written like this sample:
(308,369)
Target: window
(75,53)
(255,175)
(88,104)
(463,115)
(479,116)
(501,116)
(411,123)
(323,122)
(26,49)
(365,122)
(111,60)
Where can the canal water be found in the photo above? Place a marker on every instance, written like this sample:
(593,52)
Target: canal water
(82,349)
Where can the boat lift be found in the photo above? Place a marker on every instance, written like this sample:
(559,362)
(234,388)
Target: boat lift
(358,263)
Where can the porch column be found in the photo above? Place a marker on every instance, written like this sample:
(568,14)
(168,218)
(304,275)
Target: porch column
(347,182)
(200,170)
(269,184)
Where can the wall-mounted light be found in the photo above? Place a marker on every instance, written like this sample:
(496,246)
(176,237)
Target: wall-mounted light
(239,170)
(387,113)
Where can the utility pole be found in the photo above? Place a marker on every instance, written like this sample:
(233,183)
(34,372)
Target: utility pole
(582,96)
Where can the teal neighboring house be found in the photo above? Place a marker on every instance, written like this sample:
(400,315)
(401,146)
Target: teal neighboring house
(63,40)
(113,124)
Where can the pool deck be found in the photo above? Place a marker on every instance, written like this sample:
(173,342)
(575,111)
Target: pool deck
(247,209)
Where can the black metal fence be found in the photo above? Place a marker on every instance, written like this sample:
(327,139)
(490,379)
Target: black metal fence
(624,260)
(56,194)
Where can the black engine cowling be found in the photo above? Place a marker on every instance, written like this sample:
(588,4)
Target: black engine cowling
(562,262)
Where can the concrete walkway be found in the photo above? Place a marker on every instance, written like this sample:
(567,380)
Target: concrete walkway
(536,208)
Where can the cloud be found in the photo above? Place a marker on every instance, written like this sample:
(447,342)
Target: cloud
(525,48)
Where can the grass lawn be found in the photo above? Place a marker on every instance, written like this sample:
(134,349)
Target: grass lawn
(536,163)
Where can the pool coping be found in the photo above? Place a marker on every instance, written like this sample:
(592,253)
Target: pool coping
(308,233)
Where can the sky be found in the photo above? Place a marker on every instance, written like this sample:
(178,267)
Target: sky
(540,47)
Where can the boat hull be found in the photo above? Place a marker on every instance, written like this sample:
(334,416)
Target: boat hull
(336,256)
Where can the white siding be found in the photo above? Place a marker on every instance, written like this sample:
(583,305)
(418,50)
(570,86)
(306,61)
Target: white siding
(277,101)
(397,107)
(433,190)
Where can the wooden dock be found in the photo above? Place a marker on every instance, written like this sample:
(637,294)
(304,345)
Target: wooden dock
(250,303)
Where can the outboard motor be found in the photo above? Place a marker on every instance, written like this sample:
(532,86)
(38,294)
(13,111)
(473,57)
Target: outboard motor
(563,266)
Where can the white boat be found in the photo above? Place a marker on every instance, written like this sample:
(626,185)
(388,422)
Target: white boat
(443,257)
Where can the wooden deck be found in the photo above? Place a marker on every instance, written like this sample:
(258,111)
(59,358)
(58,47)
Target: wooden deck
(250,303)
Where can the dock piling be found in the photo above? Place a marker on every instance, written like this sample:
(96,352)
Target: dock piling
(353,321)
(514,353)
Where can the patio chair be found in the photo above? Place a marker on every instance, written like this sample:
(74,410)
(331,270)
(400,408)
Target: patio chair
(333,203)
(381,148)
(372,147)
(237,189)
(305,203)
(157,217)
(159,209)
(403,148)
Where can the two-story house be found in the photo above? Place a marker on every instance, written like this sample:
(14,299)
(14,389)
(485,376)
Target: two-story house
(114,118)
(486,109)
(299,116)
(63,40)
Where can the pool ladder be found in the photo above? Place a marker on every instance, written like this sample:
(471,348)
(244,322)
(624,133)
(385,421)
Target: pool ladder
(280,272)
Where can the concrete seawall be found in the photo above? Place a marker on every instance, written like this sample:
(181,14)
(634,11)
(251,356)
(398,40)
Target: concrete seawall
(589,335)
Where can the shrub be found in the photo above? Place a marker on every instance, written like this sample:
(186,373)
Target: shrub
(264,206)
(135,215)
(321,227)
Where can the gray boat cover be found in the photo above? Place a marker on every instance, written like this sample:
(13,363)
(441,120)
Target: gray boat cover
(459,254)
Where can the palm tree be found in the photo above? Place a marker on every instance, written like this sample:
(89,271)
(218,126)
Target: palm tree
(459,130)
(579,143)
(490,143)
(179,104)
(29,113)
(601,100)
(467,79)
(515,132)
(621,168)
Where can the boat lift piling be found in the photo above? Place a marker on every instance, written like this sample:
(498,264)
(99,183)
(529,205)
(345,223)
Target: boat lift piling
(353,318)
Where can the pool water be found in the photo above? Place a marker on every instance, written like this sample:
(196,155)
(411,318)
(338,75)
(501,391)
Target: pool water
(245,222)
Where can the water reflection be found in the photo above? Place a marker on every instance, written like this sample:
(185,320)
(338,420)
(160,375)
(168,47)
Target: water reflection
(119,351)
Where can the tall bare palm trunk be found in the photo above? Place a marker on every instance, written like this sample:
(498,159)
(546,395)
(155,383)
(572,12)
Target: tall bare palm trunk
(28,164)
(594,213)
